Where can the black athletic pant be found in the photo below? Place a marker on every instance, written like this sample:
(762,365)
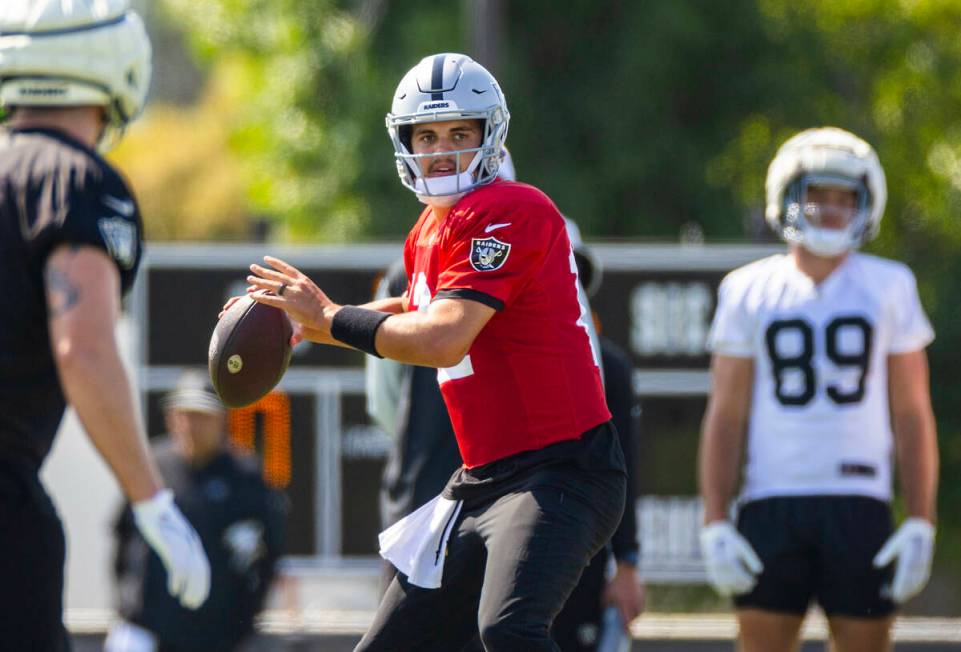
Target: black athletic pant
(578,625)
(511,564)
(31,565)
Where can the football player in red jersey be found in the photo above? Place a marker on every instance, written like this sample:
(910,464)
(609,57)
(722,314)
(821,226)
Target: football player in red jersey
(491,303)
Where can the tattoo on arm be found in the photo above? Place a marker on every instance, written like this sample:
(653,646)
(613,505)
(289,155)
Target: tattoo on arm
(62,293)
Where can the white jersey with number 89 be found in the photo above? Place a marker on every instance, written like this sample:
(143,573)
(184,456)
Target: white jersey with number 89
(819,420)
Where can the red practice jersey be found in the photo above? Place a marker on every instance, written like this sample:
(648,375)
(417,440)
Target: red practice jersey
(530,378)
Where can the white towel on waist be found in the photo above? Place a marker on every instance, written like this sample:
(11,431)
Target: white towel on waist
(417,544)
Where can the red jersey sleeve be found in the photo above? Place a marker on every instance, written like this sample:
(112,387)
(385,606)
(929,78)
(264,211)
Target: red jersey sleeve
(494,251)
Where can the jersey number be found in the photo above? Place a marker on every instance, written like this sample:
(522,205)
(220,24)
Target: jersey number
(803,359)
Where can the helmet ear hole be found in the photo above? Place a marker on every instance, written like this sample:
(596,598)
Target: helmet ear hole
(405,133)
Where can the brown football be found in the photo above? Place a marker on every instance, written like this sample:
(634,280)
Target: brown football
(249,352)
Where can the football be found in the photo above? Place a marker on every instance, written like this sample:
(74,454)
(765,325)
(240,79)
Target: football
(249,352)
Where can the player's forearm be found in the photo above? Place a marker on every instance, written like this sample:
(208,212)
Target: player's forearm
(917,455)
(393,305)
(96,385)
(420,338)
(718,462)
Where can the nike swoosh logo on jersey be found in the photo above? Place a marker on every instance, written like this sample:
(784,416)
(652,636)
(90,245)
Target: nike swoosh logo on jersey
(123,206)
(494,227)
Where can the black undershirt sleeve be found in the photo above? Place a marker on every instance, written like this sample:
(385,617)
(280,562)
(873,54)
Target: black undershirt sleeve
(471,295)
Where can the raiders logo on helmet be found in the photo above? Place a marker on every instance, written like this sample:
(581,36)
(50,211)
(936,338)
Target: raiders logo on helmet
(488,254)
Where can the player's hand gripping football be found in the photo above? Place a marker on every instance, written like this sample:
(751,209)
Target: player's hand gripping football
(285,287)
(732,565)
(176,543)
(912,546)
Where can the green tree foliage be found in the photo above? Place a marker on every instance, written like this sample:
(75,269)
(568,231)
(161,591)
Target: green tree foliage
(298,130)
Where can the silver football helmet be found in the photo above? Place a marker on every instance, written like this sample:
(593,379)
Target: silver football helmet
(448,87)
(831,157)
(77,53)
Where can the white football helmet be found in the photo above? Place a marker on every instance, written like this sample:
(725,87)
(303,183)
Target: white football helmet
(448,87)
(832,157)
(75,53)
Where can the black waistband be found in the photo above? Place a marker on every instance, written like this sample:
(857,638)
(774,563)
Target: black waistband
(598,449)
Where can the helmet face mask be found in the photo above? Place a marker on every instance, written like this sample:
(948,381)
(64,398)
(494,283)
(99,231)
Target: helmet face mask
(825,229)
(825,158)
(55,54)
(443,88)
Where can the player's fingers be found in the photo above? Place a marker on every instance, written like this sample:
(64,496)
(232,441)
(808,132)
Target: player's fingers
(230,302)
(297,332)
(265,284)
(270,274)
(750,558)
(910,586)
(899,585)
(747,555)
(280,265)
(887,553)
(269,299)
(743,583)
(720,585)
(198,588)
(175,581)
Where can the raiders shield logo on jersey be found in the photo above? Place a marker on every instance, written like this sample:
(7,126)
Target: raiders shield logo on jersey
(488,254)
(121,238)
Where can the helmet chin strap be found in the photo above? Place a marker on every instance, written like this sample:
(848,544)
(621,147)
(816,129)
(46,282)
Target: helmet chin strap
(443,191)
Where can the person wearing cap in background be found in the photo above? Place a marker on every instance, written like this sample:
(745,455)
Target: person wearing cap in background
(238,517)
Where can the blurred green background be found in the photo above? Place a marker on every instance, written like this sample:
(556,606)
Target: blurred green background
(643,119)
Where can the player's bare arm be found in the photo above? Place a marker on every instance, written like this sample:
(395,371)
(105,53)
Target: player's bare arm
(83,300)
(723,432)
(915,435)
(439,337)
(394,305)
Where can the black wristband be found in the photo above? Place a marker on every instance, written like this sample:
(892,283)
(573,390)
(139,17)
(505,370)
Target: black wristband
(631,557)
(357,327)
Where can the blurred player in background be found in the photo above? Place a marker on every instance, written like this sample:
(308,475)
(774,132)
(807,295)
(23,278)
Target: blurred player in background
(493,305)
(819,359)
(240,522)
(72,75)
(611,579)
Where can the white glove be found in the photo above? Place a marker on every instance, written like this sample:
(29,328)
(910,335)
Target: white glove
(178,546)
(913,547)
(127,637)
(732,564)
